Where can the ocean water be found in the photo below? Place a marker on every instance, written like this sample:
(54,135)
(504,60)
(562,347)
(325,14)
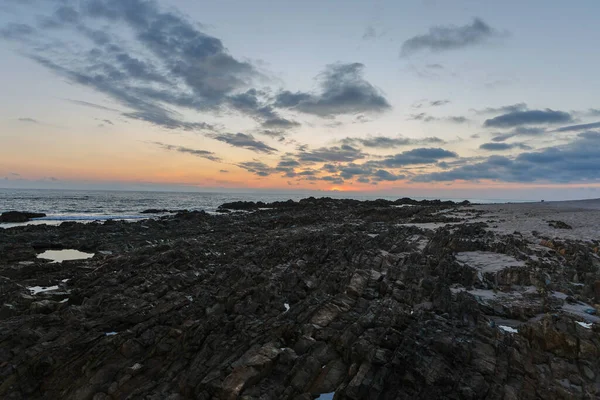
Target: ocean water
(87,205)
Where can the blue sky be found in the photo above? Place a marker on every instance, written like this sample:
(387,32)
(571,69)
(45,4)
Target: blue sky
(431,97)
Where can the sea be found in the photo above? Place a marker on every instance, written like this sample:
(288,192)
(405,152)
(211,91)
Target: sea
(101,205)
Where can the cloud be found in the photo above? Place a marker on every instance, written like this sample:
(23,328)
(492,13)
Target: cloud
(437,103)
(14,31)
(383,175)
(144,58)
(577,161)
(495,146)
(344,153)
(343,91)
(518,131)
(29,120)
(243,140)
(223,171)
(257,167)
(209,155)
(92,105)
(458,119)
(450,37)
(385,142)
(416,156)
(503,109)
(581,127)
(531,117)
(280,123)
(422,117)
(370,33)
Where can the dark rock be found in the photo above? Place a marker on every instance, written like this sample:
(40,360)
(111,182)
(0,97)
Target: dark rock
(302,298)
(19,216)
(559,225)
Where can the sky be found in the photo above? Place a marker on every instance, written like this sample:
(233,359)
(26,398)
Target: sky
(461,98)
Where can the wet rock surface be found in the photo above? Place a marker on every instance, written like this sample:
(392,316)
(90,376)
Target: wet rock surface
(365,299)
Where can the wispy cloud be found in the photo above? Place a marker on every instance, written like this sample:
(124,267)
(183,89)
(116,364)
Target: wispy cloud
(209,155)
(243,140)
(29,120)
(499,146)
(530,117)
(450,37)
(385,142)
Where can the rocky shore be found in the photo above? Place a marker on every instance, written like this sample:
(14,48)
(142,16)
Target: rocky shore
(296,300)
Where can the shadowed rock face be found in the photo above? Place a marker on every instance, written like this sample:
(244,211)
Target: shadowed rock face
(292,302)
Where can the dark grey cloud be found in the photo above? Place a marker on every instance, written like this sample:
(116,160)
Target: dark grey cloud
(280,123)
(383,175)
(209,155)
(364,173)
(581,127)
(457,119)
(333,179)
(496,146)
(577,161)
(351,170)
(450,37)
(437,103)
(224,171)
(257,167)
(430,103)
(343,91)
(29,120)
(512,108)
(434,66)
(425,117)
(243,140)
(422,117)
(343,153)
(530,117)
(518,131)
(14,31)
(167,61)
(416,156)
(384,142)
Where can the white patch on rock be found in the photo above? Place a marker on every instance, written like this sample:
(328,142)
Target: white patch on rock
(508,329)
(41,289)
(586,325)
(287,307)
(110,333)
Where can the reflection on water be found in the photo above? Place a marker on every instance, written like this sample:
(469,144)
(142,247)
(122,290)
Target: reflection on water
(326,396)
(64,255)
